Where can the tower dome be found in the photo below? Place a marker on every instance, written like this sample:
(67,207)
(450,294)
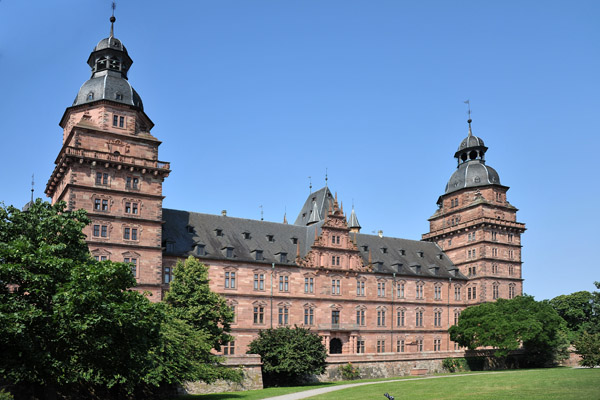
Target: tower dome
(471,170)
(110,63)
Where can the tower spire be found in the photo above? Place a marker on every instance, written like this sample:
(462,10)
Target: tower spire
(468,103)
(113,19)
(32,183)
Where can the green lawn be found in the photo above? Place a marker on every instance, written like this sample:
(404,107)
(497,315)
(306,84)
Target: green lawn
(555,383)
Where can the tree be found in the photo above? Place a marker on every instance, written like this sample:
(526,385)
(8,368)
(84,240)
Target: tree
(198,320)
(289,354)
(67,320)
(588,347)
(576,309)
(506,324)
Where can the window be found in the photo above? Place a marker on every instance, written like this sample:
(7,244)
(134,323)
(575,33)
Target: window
(100,231)
(419,318)
(381,289)
(119,96)
(294,240)
(335,286)
(284,283)
(134,234)
(96,204)
(400,290)
(259,255)
(511,291)
(283,257)
(494,252)
(90,96)
(494,291)
(494,268)
(419,290)
(437,344)
(229,280)
(457,292)
(259,314)
(270,238)
(218,232)
(381,317)
(510,254)
(132,182)
(400,346)
(229,252)
(511,270)
(283,315)
(229,348)
(259,281)
(510,237)
(420,345)
(309,285)
(360,346)
(119,120)
(473,270)
(381,346)
(131,207)
(200,250)
(437,292)
(360,317)
(456,315)
(437,318)
(494,236)
(309,316)
(401,318)
(167,274)
(472,293)
(360,288)
(335,317)
(101,178)
(335,260)
(246,235)
(133,264)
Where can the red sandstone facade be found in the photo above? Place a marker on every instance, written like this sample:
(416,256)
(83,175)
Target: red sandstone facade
(362,293)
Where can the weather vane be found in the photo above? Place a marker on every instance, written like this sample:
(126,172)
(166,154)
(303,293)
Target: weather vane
(468,103)
(310,184)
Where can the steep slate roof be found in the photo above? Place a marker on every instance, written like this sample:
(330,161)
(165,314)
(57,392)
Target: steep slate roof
(320,197)
(184,230)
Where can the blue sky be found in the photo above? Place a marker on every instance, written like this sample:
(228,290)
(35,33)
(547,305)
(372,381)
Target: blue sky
(250,98)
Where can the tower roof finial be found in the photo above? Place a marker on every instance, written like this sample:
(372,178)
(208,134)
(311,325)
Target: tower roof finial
(113,19)
(468,103)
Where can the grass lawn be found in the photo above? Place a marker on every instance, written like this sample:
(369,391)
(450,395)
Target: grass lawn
(555,383)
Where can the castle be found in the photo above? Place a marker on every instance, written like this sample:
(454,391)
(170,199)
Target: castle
(364,294)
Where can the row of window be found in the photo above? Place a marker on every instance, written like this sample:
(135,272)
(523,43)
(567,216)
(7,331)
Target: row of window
(472,253)
(131,207)
(131,182)
(102,231)
(133,261)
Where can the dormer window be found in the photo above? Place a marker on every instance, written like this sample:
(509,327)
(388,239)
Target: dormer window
(259,255)
(283,257)
(119,96)
(170,247)
(229,252)
(246,235)
(365,248)
(441,256)
(294,240)
(417,269)
(384,250)
(189,229)
(402,252)
(420,254)
(219,232)
(200,250)
(90,96)
(270,238)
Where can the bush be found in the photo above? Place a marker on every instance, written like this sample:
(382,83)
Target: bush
(588,347)
(349,372)
(455,364)
(5,395)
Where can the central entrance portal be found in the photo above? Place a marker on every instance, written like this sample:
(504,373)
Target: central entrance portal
(335,346)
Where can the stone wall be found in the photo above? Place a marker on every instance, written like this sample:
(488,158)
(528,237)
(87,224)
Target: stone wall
(250,364)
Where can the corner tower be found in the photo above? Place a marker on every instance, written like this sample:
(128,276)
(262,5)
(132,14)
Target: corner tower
(108,165)
(477,227)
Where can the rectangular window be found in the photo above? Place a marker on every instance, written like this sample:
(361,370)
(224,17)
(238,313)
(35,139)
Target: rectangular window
(283,257)
(456,315)
(400,346)
(419,290)
(230,280)
(380,317)
(283,316)
(474,292)
(309,284)
(259,282)
(335,286)
(437,344)
(134,234)
(511,270)
(494,236)
(360,317)
(133,264)
(510,254)
(126,233)
(335,318)
(511,292)
(400,290)
(494,292)
(167,275)
(360,288)
(510,237)
(104,231)
(228,252)
(309,316)
(420,345)
(456,292)
(381,346)
(115,120)
(381,289)
(121,122)
(437,319)
(259,314)
(104,205)
(284,283)
(360,346)
(469,294)
(96,230)
(132,182)
(419,318)
(229,349)
(400,318)
(438,292)
(96,204)
(259,255)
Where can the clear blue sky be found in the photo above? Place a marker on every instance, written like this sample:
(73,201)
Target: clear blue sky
(250,98)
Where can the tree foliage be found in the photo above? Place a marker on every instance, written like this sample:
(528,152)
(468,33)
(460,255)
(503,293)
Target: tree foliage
(576,309)
(66,319)
(588,347)
(506,324)
(289,354)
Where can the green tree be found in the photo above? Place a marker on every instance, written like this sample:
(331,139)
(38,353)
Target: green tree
(289,354)
(198,320)
(67,320)
(576,309)
(588,347)
(508,324)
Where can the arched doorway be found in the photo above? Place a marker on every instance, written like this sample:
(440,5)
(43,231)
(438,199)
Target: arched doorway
(335,346)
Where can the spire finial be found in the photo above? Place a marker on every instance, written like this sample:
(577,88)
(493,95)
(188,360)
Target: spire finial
(310,184)
(261,213)
(326,177)
(468,103)
(113,19)
(32,183)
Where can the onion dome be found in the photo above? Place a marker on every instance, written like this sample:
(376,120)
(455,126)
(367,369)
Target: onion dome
(471,170)
(110,63)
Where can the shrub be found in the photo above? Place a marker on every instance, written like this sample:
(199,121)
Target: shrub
(5,395)
(588,347)
(349,372)
(455,364)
